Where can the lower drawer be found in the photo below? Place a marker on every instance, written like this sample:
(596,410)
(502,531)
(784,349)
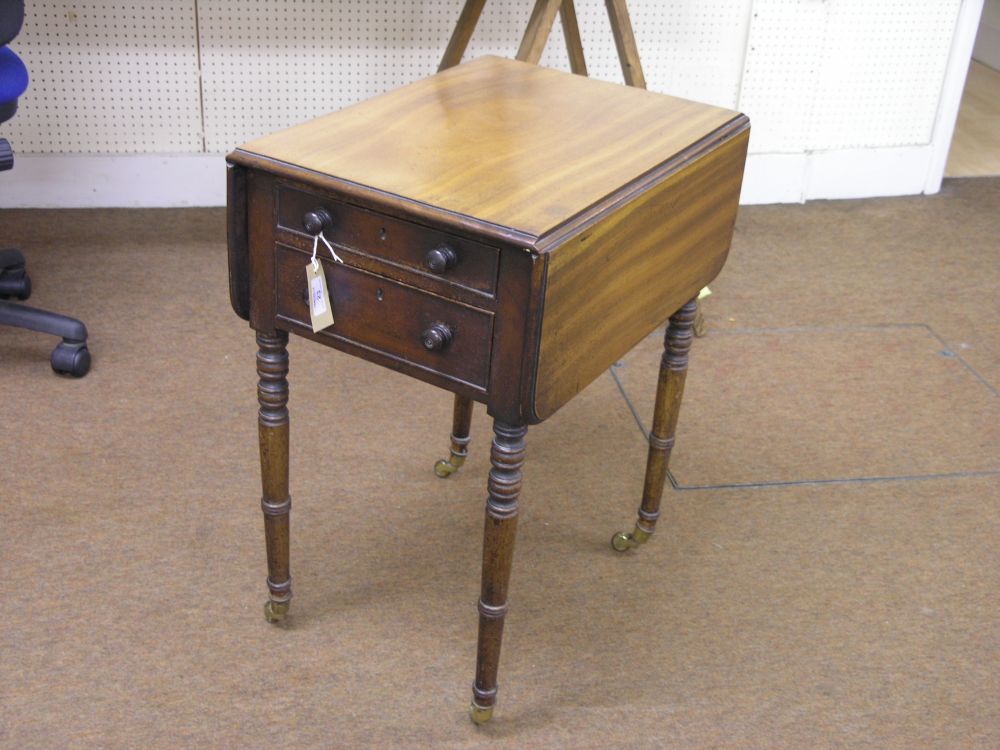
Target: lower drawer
(394,319)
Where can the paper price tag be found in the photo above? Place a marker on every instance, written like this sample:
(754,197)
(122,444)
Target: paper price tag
(320,304)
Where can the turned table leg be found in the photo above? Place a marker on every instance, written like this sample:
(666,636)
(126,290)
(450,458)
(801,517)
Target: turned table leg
(507,457)
(669,390)
(272,422)
(460,426)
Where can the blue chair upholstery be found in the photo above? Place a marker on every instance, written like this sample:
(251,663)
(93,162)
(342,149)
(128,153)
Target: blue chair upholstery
(13,82)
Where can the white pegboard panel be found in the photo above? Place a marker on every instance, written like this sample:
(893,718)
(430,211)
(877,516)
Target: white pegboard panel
(120,78)
(881,72)
(845,74)
(780,73)
(689,49)
(268,64)
(108,77)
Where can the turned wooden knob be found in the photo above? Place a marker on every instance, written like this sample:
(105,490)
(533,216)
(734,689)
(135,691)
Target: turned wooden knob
(440,259)
(437,337)
(317,220)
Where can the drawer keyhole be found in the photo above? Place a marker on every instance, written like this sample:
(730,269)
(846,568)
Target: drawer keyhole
(379,294)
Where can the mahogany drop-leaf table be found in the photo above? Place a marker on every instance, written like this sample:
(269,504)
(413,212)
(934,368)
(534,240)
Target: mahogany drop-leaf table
(502,231)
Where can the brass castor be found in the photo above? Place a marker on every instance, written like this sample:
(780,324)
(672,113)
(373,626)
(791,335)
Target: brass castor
(700,326)
(275,611)
(480,714)
(624,540)
(448,466)
(444,468)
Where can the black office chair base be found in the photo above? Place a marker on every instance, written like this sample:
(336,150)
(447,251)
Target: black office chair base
(71,356)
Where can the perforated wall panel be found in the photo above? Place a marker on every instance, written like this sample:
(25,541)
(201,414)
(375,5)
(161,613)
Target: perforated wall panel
(780,77)
(271,63)
(108,77)
(881,72)
(839,74)
(115,77)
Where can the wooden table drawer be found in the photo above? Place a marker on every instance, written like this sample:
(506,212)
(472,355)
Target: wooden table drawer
(392,318)
(412,246)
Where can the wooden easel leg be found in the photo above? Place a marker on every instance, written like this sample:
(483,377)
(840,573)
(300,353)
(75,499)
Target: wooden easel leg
(669,390)
(543,15)
(507,457)
(571,32)
(460,425)
(628,51)
(272,424)
(462,34)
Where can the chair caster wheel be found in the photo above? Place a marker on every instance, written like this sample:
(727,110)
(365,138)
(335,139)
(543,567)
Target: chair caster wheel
(25,291)
(16,286)
(71,359)
(275,611)
(480,714)
(444,468)
(19,288)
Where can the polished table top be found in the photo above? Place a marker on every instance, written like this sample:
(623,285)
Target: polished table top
(503,142)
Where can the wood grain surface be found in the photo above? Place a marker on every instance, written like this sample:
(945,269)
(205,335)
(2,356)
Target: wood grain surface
(610,286)
(543,15)
(462,34)
(628,50)
(504,142)
(571,33)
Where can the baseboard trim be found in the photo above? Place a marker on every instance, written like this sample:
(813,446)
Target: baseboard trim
(114,181)
(843,173)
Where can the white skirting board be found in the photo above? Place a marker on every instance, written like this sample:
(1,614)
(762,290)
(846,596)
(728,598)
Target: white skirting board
(152,181)
(114,180)
(850,173)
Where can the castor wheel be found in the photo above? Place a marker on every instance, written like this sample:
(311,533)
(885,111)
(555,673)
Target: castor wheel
(445,468)
(625,540)
(480,714)
(275,611)
(25,288)
(15,284)
(622,541)
(72,359)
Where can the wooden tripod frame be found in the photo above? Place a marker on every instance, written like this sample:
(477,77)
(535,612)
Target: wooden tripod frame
(540,27)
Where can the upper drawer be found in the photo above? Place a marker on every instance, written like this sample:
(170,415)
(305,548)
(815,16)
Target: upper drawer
(412,246)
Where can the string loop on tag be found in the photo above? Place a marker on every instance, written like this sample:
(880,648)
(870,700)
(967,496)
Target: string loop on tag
(312,261)
(316,239)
